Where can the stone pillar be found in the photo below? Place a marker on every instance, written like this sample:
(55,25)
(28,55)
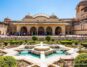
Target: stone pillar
(45,30)
(37,30)
(4,30)
(28,29)
(63,30)
(18,28)
(53,30)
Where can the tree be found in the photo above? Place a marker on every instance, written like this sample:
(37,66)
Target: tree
(7,61)
(81,60)
(34,38)
(48,38)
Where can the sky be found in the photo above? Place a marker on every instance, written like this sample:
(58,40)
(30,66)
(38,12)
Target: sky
(17,9)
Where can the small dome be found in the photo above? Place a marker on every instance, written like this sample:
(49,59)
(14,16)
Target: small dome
(53,16)
(44,15)
(28,16)
(83,1)
(7,20)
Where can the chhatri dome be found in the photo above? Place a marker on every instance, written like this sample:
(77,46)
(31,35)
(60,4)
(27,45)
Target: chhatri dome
(83,0)
(41,14)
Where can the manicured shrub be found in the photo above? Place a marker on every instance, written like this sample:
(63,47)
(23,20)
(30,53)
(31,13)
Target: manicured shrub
(53,40)
(81,60)
(5,43)
(14,42)
(7,61)
(84,44)
(26,41)
(48,38)
(66,42)
(75,42)
(69,42)
(34,38)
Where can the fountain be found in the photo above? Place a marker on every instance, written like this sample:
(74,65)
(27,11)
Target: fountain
(42,47)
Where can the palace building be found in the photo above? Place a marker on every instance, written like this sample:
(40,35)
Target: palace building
(42,24)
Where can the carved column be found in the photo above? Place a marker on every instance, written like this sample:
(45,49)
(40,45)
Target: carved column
(63,30)
(53,30)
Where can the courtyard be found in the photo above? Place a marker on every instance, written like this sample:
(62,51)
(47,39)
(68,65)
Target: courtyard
(42,50)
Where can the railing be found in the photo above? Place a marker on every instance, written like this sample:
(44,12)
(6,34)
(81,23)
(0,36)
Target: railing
(72,37)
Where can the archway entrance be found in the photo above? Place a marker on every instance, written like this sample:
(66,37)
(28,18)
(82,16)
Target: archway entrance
(48,31)
(41,31)
(33,31)
(58,31)
(23,31)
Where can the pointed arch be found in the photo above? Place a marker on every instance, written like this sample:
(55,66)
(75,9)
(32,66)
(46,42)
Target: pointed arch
(58,31)
(48,31)
(23,31)
(41,31)
(33,31)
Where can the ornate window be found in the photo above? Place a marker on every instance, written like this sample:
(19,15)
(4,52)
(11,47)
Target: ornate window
(84,9)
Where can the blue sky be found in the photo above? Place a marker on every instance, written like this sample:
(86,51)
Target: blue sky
(17,9)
